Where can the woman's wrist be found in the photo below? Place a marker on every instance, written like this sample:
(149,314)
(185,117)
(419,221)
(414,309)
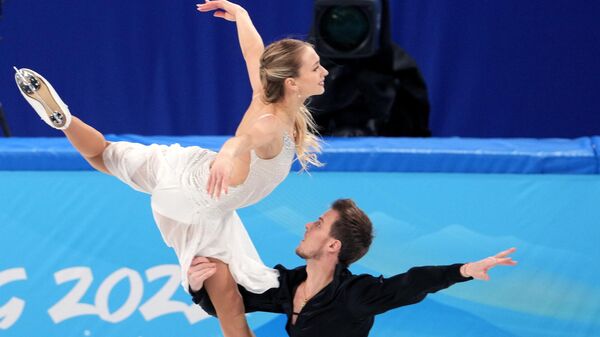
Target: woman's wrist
(225,155)
(239,10)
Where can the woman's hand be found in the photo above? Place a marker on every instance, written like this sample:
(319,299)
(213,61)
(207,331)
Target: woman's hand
(479,270)
(220,173)
(223,9)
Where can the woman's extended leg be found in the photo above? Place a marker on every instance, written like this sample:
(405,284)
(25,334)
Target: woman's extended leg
(46,102)
(226,298)
(88,141)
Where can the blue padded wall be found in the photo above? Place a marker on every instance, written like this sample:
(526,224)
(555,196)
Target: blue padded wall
(80,255)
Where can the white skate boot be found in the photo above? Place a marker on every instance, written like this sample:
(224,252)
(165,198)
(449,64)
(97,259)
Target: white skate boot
(43,98)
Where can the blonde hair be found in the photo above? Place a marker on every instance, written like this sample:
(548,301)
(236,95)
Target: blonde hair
(279,61)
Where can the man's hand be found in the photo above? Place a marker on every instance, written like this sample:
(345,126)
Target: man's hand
(200,270)
(479,270)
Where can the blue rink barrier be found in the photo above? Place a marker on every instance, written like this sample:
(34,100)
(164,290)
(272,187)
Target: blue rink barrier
(450,155)
(80,254)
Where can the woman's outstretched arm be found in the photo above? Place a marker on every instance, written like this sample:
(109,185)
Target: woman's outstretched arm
(250,41)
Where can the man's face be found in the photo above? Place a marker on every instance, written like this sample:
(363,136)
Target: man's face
(316,238)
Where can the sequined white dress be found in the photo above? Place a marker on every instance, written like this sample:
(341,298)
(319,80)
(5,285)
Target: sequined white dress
(191,222)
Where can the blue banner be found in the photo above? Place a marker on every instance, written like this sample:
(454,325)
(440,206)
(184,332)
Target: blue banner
(80,254)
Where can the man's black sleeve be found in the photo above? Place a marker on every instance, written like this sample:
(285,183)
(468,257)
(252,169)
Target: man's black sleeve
(367,295)
(267,301)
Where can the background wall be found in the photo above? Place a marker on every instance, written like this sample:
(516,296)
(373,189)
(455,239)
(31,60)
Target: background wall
(494,68)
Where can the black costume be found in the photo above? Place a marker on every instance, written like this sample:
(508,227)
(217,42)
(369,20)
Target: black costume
(348,305)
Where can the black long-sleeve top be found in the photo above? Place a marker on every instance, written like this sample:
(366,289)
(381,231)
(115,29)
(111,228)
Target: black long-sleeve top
(348,305)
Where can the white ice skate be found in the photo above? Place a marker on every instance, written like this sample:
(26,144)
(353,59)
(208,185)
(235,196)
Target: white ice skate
(43,98)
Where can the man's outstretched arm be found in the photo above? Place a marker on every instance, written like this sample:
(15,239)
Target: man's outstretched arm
(370,295)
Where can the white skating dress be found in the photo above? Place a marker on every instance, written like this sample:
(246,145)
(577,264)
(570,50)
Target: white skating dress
(189,220)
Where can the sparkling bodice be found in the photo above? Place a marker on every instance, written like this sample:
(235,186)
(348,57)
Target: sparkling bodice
(263,177)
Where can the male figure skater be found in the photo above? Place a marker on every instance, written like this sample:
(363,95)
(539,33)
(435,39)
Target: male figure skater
(324,298)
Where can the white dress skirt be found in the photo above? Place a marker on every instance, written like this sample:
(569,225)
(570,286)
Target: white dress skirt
(189,220)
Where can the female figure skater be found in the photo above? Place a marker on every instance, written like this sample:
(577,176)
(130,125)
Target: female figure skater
(194,191)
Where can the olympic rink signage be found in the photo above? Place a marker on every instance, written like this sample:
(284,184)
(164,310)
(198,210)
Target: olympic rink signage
(71,305)
(93,264)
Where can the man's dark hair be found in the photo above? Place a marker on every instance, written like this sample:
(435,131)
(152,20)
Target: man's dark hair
(354,230)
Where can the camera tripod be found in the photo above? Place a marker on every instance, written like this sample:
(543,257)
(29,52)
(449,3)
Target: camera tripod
(3,122)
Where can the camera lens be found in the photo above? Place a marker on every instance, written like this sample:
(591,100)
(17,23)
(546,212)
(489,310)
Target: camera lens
(344,28)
